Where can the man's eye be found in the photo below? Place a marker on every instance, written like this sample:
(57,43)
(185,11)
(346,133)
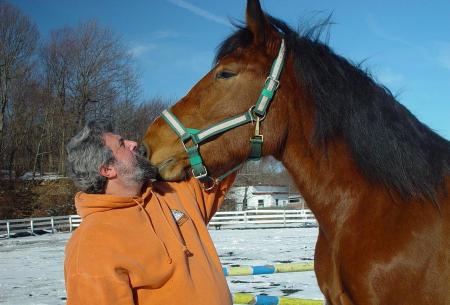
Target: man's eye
(225,74)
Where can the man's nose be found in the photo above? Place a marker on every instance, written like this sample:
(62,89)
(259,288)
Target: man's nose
(131,145)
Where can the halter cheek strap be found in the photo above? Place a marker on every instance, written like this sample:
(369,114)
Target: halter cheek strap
(256,113)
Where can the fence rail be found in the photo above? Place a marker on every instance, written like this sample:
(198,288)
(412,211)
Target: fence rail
(259,218)
(237,219)
(38,225)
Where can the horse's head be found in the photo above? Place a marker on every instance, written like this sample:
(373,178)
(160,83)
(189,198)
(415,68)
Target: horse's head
(231,88)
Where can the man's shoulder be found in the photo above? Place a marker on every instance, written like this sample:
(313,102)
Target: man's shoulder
(169,188)
(90,249)
(93,234)
(92,243)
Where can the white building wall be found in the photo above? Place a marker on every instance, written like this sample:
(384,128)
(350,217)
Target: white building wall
(282,200)
(253,200)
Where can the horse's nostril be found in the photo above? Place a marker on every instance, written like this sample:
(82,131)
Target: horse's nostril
(142,151)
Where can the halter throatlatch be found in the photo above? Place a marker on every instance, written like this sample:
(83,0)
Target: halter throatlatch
(256,114)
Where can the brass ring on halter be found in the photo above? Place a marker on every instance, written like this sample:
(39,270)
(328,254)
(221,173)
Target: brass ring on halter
(212,185)
(254,116)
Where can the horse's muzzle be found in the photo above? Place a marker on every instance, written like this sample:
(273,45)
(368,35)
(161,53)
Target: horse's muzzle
(142,151)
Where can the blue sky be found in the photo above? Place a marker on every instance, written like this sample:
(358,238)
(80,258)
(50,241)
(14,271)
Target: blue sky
(405,44)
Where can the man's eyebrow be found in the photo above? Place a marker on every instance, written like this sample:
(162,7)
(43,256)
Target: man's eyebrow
(121,141)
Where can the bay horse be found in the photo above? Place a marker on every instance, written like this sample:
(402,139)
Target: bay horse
(376,178)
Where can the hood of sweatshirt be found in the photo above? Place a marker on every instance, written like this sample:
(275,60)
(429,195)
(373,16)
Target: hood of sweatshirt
(87,204)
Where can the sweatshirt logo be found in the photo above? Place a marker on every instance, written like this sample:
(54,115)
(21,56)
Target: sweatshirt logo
(179,217)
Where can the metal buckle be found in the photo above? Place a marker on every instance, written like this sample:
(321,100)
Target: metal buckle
(253,115)
(260,136)
(202,175)
(207,186)
(184,145)
(276,81)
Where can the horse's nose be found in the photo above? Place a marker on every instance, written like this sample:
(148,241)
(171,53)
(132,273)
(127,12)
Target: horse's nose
(143,151)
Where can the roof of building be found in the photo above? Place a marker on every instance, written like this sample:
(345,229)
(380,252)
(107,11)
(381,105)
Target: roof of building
(269,189)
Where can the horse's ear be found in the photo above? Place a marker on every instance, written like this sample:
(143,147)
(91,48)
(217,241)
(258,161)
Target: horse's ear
(257,21)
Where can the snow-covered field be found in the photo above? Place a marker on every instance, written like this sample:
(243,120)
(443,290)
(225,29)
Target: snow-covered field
(31,268)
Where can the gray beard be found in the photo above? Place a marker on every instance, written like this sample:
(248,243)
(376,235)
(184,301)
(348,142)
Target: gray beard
(140,172)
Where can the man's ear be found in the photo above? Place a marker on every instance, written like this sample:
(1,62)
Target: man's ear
(108,171)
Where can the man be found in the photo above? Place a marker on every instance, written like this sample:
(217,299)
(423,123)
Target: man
(137,245)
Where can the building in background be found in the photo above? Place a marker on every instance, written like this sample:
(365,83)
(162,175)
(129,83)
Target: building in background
(255,197)
(297,201)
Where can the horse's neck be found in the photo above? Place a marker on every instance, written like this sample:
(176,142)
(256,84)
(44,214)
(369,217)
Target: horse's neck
(330,183)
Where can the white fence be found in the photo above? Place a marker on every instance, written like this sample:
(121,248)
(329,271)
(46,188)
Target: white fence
(263,218)
(232,220)
(39,225)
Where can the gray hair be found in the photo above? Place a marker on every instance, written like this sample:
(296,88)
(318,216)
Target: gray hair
(86,153)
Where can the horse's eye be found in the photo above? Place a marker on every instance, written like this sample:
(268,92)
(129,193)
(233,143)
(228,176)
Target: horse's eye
(225,74)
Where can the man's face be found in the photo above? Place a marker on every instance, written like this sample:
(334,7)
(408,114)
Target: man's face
(130,167)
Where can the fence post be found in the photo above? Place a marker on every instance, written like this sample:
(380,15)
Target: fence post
(245,219)
(7,229)
(31,225)
(53,225)
(70,223)
(284,217)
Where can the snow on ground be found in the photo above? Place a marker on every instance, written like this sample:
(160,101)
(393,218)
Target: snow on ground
(31,268)
(269,246)
(28,176)
(39,177)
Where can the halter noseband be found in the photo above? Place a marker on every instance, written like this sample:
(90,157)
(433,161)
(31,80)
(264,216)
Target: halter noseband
(256,114)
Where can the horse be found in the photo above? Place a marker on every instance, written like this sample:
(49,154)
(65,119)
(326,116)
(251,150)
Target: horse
(375,177)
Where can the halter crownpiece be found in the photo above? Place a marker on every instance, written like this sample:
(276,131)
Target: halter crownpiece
(256,114)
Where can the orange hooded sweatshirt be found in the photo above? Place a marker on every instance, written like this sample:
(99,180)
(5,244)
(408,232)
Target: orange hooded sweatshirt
(148,250)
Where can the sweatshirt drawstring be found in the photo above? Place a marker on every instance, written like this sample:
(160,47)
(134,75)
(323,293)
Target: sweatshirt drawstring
(184,248)
(150,223)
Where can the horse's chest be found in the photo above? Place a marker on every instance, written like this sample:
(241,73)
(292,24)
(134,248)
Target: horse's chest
(341,276)
(327,271)
(353,272)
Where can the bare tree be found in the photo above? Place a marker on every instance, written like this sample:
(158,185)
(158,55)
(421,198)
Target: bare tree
(18,39)
(132,120)
(101,68)
(81,73)
(88,74)
(57,71)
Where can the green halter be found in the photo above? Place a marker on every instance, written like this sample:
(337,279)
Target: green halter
(256,114)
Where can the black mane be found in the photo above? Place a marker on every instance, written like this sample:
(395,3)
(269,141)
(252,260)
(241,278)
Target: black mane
(389,144)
